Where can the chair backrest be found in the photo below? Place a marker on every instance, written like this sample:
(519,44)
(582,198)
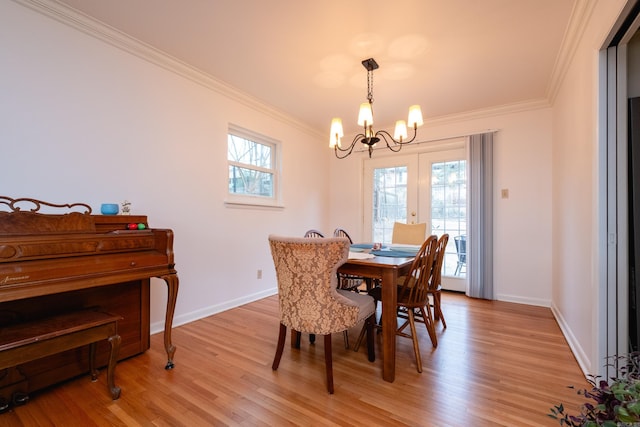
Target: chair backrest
(340,232)
(438,261)
(415,289)
(409,234)
(306,271)
(461,247)
(313,234)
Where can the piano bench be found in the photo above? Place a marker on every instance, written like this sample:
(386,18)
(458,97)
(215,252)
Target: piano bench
(24,342)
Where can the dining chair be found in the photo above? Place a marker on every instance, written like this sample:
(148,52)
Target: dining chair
(409,234)
(347,281)
(461,251)
(308,298)
(413,295)
(435,282)
(313,234)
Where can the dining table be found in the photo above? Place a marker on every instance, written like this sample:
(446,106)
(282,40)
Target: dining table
(386,269)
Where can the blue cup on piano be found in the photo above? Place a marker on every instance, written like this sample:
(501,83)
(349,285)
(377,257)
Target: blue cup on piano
(109,209)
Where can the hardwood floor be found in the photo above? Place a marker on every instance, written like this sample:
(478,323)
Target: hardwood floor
(497,364)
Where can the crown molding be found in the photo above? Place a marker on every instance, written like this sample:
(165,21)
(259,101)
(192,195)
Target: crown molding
(92,27)
(500,110)
(582,10)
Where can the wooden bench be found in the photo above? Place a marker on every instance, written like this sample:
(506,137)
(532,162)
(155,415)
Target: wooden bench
(33,340)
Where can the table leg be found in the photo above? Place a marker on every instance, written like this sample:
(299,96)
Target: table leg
(389,324)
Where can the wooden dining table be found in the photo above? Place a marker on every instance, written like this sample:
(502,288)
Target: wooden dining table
(387,270)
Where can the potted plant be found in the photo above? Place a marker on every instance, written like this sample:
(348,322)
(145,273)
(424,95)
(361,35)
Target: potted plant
(613,403)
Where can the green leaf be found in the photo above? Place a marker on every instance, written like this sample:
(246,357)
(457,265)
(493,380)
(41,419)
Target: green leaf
(634,407)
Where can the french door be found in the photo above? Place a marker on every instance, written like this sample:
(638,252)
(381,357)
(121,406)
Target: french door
(428,187)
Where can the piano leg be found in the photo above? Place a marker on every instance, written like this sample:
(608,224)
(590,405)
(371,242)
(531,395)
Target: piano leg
(172,296)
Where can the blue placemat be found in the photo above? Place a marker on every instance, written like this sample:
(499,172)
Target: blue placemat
(362,245)
(395,254)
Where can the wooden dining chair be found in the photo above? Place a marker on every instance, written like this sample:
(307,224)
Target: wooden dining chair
(413,296)
(347,281)
(309,301)
(435,283)
(313,234)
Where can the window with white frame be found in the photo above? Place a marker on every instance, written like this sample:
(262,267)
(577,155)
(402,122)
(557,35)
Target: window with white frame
(253,161)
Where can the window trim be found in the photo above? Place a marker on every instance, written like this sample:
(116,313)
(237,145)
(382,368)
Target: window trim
(255,201)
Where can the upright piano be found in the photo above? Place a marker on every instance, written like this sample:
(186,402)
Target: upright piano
(55,263)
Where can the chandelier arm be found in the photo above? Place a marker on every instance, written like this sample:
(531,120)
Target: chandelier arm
(384,134)
(349,149)
(396,142)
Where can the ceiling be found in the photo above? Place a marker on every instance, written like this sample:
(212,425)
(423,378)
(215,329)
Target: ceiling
(304,57)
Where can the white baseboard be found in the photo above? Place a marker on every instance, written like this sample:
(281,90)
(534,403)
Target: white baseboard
(576,349)
(520,300)
(183,319)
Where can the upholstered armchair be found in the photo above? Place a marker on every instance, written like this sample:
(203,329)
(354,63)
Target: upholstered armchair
(309,302)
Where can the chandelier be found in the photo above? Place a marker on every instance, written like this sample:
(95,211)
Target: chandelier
(365,119)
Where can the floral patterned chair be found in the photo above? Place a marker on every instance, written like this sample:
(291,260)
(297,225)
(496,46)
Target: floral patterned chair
(309,300)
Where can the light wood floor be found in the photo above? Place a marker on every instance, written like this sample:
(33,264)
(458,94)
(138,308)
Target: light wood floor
(497,364)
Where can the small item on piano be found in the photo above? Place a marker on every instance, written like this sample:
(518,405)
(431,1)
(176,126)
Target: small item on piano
(109,209)
(126,207)
(132,226)
(141,226)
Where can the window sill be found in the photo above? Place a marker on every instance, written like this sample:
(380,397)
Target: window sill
(250,205)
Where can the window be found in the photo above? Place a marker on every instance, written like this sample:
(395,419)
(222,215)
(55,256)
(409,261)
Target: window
(253,168)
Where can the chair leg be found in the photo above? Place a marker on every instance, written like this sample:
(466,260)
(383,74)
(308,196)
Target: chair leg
(364,328)
(414,338)
(295,338)
(369,323)
(328,362)
(280,347)
(360,337)
(437,308)
(346,339)
(430,324)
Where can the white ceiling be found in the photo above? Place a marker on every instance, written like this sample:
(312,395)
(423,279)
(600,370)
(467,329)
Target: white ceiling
(304,57)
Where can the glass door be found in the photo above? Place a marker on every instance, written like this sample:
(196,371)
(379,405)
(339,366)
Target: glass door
(426,187)
(389,195)
(444,175)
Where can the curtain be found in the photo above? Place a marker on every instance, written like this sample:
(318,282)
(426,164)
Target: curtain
(480,228)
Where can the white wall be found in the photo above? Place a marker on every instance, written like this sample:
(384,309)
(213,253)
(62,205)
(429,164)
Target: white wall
(522,223)
(83,121)
(576,236)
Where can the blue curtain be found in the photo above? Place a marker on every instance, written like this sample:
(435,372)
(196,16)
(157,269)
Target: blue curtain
(480,227)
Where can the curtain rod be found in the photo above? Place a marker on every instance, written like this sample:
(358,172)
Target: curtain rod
(444,138)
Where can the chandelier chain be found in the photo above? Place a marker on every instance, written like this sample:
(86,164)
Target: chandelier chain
(370,86)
